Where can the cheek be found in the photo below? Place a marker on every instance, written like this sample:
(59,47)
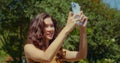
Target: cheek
(54,30)
(45,31)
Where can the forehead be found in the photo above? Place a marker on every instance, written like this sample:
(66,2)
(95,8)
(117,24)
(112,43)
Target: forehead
(48,20)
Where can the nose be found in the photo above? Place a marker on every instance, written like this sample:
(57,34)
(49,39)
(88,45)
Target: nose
(49,28)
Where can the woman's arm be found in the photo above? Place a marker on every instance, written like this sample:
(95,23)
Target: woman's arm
(82,53)
(38,55)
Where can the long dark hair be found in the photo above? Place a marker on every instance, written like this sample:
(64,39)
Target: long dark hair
(36,34)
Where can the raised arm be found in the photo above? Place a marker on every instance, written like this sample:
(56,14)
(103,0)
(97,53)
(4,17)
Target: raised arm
(38,55)
(82,53)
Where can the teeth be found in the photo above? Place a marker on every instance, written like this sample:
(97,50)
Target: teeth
(49,34)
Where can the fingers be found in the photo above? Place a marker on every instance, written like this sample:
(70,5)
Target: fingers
(82,18)
(70,17)
(70,14)
(75,18)
(81,12)
(85,21)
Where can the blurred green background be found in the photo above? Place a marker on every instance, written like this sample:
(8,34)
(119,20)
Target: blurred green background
(103,29)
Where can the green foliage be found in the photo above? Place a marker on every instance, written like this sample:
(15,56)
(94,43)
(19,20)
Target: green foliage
(83,61)
(103,31)
(12,45)
(2,55)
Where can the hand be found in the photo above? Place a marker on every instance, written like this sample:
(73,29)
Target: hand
(70,22)
(81,20)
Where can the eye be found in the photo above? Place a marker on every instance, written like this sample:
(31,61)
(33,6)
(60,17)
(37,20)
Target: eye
(46,25)
(51,25)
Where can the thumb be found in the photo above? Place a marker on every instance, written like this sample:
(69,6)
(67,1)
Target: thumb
(70,14)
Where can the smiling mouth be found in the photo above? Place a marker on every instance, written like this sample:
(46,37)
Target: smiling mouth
(50,35)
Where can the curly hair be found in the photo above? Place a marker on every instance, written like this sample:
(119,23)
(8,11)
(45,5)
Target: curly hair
(36,33)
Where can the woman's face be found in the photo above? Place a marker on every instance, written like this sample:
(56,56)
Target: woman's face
(49,28)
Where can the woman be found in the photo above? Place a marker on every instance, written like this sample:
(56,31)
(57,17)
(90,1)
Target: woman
(44,45)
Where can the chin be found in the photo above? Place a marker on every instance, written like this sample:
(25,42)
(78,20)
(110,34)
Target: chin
(50,38)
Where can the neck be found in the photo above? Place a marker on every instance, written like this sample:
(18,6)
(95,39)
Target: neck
(47,43)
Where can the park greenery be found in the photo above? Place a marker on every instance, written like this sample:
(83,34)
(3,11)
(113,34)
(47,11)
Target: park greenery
(103,33)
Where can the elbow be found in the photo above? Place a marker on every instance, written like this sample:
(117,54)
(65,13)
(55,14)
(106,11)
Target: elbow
(82,56)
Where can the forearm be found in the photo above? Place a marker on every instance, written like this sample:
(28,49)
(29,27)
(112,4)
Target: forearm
(83,42)
(56,44)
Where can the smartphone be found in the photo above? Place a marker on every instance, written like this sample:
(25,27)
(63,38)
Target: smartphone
(76,10)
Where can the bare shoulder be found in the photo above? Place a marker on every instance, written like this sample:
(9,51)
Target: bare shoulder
(31,49)
(28,47)
(32,52)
